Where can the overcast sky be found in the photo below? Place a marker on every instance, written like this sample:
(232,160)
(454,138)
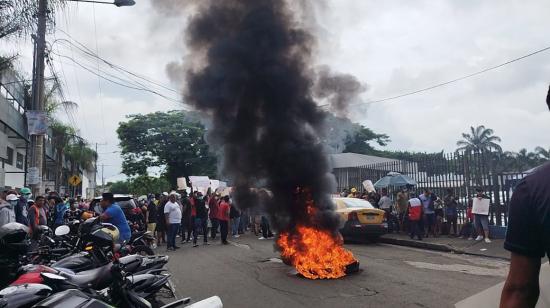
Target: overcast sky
(392,46)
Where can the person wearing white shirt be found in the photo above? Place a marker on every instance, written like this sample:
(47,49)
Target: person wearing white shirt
(172,214)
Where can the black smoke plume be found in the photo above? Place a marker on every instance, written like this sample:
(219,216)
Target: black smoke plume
(339,89)
(252,74)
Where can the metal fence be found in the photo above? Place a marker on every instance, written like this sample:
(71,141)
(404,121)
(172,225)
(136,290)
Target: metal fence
(461,172)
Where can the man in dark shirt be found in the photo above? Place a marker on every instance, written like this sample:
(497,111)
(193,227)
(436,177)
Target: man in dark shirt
(201,220)
(528,238)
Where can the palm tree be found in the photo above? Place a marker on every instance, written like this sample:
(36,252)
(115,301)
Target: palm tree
(522,160)
(61,138)
(80,155)
(526,159)
(18,17)
(543,153)
(479,139)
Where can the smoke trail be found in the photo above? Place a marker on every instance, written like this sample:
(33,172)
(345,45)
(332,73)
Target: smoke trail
(339,89)
(252,75)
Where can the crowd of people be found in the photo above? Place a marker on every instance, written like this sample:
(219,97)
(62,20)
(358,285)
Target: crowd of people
(426,214)
(50,209)
(190,217)
(167,215)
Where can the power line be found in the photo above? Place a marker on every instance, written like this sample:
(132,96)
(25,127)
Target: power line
(129,83)
(89,52)
(98,79)
(451,81)
(112,79)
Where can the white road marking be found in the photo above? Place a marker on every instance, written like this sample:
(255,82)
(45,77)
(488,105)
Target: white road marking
(240,245)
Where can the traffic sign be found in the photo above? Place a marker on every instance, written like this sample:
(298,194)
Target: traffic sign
(75,180)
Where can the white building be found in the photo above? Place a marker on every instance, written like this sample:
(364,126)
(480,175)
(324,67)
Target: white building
(14,139)
(15,143)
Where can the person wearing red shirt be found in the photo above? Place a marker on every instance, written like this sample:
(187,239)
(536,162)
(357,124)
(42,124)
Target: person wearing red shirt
(223,218)
(213,214)
(415,215)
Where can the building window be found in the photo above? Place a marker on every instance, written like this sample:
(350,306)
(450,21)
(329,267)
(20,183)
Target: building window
(9,161)
(20,161)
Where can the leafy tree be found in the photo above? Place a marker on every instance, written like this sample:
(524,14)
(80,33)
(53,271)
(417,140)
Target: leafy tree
(520,161)
(141,185)
(61,138)
(360,141)
(18,17)
(479,139)
(81,155)
(543,153)
(526,159)
(144,184)
(172,140)
(120,187)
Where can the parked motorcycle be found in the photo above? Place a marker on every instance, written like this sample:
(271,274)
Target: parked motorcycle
(147,276)
(14,243)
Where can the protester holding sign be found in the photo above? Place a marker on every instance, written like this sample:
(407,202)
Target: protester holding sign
(480,209)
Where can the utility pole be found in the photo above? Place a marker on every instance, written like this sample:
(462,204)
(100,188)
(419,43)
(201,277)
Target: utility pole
(102,179)
(95,167)
(37,141)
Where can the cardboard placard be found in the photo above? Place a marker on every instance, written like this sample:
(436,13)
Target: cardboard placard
(199,181)
(481,206)
(214,184)
(181,183)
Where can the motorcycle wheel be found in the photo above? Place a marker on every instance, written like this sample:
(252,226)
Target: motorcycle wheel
(143,250)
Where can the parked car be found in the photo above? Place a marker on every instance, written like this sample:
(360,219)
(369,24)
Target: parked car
(359,219)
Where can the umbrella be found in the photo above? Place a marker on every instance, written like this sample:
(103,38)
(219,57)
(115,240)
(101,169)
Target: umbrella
(394,179)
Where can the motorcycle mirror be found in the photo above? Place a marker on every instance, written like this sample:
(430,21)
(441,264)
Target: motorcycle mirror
(211,302)
(62,230)
(52,276)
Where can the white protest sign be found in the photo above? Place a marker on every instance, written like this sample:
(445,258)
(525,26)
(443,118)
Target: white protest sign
(481,206)
(182,184)
(214,184)
(199,181)
(369,187)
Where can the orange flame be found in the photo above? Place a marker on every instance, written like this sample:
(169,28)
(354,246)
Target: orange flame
(315,254)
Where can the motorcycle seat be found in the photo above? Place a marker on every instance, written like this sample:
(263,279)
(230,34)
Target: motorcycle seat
(90,278)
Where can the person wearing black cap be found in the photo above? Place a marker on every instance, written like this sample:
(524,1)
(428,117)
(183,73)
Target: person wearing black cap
(527,237)
(112,213)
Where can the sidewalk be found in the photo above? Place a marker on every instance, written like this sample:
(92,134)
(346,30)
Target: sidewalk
(444,243)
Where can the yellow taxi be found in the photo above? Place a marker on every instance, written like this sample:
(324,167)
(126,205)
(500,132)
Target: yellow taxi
(358,218)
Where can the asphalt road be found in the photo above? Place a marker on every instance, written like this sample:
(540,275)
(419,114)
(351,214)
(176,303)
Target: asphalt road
(247,273)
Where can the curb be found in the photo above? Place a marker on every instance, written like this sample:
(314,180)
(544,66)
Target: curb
(434,247)
(419,244)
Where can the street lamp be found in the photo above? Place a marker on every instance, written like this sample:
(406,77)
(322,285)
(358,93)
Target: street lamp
(118,3)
